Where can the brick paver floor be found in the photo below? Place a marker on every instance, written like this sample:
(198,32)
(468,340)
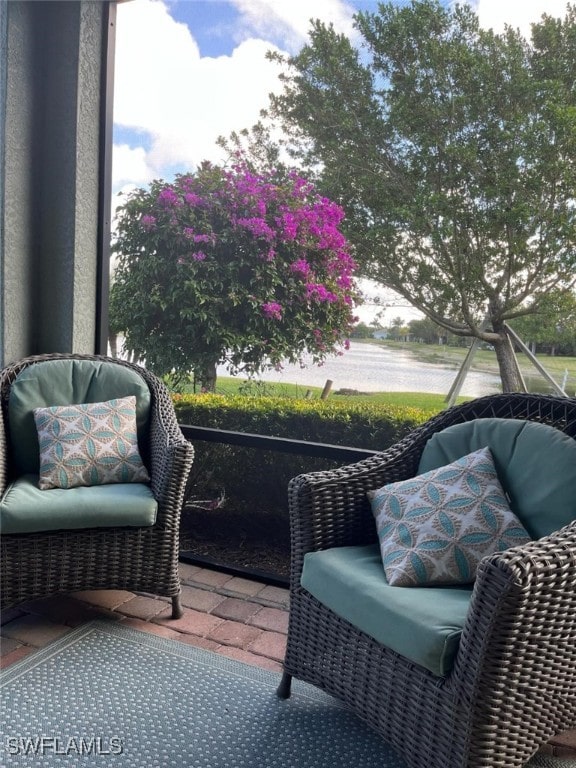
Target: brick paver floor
(234,616)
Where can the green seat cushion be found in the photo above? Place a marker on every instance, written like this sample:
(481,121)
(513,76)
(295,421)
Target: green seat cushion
(66,382)
(24,508)
(423,624)
(536,465)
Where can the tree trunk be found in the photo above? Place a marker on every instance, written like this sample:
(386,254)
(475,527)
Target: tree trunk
(205,376)
(510,375)
(113,341)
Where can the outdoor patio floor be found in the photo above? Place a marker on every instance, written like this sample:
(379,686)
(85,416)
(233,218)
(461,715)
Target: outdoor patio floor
(236,617)
(243,619)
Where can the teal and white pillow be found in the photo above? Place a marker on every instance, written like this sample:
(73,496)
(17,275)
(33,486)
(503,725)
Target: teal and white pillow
(89,444)
(436,527)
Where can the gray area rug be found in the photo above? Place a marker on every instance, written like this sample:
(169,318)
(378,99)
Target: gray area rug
(113,696)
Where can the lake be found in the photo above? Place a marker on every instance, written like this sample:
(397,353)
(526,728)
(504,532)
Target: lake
(372,368)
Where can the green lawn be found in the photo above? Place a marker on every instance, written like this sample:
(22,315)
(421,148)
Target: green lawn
(426,401)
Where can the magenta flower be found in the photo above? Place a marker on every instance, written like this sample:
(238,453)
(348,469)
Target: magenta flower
(204,239)
(301,267)
(148,223)
(271,243)
(257,226)
(190,234)
(344,281)
(196,256)
(320,292)
(167,198)
(289,224)
(272,310)
(302,187)
(193,199)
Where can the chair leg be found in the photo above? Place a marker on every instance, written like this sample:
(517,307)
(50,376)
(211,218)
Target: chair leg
(283,690)
(177,610)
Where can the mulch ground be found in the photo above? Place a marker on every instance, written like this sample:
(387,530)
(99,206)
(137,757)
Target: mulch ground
(233,541)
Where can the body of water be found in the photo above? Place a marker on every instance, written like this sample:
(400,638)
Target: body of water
(372,368)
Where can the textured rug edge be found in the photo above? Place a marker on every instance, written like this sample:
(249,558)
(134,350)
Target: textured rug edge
(165,645)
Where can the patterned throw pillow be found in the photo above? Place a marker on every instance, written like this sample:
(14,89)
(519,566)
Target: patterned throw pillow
(436,527)
(89,444)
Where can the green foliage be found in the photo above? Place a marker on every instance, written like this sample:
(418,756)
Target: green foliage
(362,331)
(230,266)
(425,330)
(453,151)
(429,332)
(331,421)
(552,328)
(428,402)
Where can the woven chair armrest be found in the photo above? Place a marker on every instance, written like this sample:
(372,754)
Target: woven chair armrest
(171,457)
(520,633)
(331,509)
(168,481)
(550,559)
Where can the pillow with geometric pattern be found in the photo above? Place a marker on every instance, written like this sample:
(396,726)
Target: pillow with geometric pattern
(436,527)
(89,444)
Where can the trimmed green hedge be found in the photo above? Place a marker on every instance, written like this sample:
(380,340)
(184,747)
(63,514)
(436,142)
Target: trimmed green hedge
(240,494)
(360,425)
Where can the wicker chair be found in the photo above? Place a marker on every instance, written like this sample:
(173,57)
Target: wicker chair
(143,558)
(513,684)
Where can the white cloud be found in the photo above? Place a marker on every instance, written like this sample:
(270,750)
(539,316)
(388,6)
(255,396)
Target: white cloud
(516,13)
(180,100)
(228,94)
(130,165)
(289,20)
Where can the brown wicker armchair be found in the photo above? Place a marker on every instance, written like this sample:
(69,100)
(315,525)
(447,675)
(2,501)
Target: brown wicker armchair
(37,564)
(513,683)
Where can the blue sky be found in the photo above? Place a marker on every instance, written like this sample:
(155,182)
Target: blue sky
(214,24)
(217,25)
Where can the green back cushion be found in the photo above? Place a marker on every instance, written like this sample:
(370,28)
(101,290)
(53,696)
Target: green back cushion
(66,382)
(536,465)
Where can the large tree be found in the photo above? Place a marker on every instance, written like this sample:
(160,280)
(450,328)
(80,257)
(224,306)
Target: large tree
(230,266)
(453,151)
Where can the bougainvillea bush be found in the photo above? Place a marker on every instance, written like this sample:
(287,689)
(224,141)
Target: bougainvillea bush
(229,266)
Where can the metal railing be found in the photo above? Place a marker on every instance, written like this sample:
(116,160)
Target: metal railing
(278,444)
